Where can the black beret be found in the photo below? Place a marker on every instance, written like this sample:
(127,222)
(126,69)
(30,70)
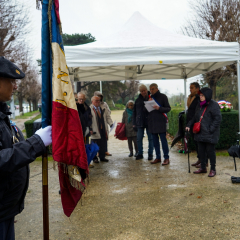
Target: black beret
(10,70)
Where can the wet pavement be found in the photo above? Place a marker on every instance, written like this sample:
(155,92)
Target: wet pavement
(129,199)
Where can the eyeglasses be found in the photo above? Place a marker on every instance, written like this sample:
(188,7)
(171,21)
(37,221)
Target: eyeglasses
(130,105)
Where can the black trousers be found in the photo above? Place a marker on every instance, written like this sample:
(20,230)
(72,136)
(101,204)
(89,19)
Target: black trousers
(130,145)
(207,150)
(7,230)
(102,144)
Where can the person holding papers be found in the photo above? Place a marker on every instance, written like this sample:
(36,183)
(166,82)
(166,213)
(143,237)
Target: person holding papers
(157,120)
(140,121)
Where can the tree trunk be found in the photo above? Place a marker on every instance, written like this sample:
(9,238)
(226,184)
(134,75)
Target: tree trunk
(20,100)
(214,88)
(30,107)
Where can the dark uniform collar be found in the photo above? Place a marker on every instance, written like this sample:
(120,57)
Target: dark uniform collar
(4,110)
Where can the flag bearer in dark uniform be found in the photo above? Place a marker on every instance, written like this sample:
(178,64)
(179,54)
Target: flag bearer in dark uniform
(15,153)
(100,122)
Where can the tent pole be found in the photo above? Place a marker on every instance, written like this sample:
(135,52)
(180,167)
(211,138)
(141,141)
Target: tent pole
(185,94)
(238,80)
(100,86)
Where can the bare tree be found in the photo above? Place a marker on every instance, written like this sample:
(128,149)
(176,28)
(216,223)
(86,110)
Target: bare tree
(215,20)
(14,22)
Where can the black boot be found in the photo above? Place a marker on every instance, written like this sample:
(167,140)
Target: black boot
(150,157)
(131,154)
(139,156)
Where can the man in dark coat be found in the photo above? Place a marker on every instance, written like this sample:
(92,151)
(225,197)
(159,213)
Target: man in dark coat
(157,120)
(192,102)
(15,153)
(85,115)
(140,121)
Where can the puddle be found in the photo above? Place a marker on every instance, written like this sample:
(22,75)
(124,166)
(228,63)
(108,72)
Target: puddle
(113,173)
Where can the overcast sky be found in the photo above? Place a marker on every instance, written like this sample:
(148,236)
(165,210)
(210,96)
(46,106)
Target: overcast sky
(103,17)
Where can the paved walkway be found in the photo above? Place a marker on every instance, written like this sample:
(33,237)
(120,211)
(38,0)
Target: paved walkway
(129,199)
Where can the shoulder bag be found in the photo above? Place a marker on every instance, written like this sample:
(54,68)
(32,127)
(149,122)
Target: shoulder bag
(197,125)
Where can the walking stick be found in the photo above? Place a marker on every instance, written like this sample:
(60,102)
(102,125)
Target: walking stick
(45,196)
(235,163)
(188,155)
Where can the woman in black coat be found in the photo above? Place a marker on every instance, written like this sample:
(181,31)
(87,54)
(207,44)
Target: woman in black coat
(209,133)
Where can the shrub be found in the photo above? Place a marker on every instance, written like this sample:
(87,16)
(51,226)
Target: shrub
(29,125)
(228,128)
(118,107)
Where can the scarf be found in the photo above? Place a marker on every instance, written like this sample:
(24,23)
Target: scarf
(130,113)
(202,103)
(190,100)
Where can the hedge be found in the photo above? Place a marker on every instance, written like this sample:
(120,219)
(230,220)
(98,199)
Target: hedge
(228,128)
(29,125)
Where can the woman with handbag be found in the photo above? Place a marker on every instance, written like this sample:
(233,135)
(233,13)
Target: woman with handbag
(130,131)
(206,129)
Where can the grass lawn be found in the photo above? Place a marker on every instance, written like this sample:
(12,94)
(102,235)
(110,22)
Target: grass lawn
(27,115)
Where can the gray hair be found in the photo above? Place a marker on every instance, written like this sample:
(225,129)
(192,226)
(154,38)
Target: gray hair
(94,97)
(142,87)
(130,101)
(153,85)
(80,93)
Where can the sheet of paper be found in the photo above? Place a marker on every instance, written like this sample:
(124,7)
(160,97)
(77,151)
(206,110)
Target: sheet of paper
(113,126)
(149,105)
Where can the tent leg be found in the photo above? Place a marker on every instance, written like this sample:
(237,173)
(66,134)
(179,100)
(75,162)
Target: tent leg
(238,80)
(185,94)
(100,86)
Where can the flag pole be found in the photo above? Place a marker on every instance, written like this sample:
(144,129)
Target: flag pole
(45,196)
(46,109)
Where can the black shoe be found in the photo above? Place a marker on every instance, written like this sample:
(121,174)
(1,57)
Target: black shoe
(59,192)
(140,156)
(150,157)
(131,154)
(104,160)
(95,160)
(135,154)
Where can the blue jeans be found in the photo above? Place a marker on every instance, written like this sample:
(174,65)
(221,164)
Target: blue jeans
(157,145)
(7,229)
(140,134)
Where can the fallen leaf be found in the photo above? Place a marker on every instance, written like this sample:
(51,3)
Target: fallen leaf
(191,194)
(177,217)
(199,197)
(225,201)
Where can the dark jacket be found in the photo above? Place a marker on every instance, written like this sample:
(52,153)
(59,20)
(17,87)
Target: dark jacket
(129,126)
(192,108)
(210,124)
(14,169)
(156,120)
(85,116)
(140,113)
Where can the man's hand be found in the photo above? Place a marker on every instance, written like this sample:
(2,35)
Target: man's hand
(156,107)
(150,99)
(91,132)
(187,129)
(45,134)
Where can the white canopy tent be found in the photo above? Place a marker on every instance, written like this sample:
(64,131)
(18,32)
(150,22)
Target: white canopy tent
(142,51)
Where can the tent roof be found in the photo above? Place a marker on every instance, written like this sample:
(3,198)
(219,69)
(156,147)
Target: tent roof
(140,50)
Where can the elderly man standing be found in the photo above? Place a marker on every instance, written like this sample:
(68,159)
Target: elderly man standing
(140,120)
(100,121)
(157,120)
(104,105)
(85,115)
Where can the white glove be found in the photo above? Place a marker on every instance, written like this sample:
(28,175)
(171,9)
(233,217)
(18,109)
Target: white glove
(45,134)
